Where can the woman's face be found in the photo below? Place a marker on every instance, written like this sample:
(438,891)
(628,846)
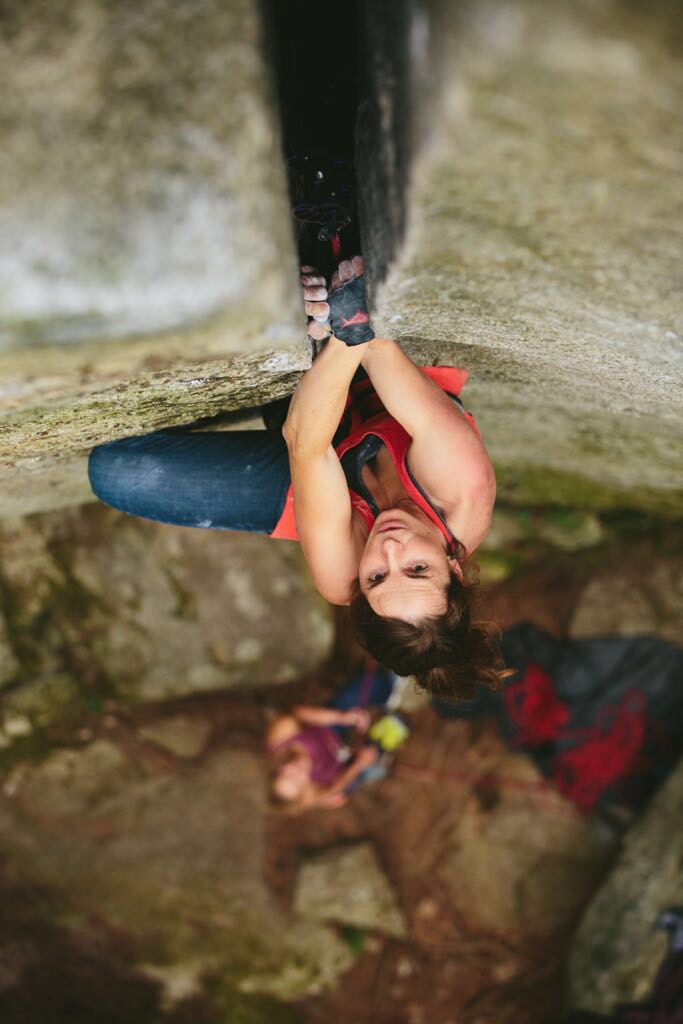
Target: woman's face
(404,569)
(293,778)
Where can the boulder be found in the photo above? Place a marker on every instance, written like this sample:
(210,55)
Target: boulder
(520,168)
(148,274)
(616,951)
(179,734)
(109,606)
(633,598)
(522,859)
(171,863)
(346,885)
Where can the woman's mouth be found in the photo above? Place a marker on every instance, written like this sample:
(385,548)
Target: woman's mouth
(393,524)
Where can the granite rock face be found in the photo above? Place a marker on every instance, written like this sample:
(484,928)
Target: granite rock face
(96,603)
(633,599)
(169,861)
(346,885)
(520,869)
(616,951)
(522,196)
(147,265)
(521,193)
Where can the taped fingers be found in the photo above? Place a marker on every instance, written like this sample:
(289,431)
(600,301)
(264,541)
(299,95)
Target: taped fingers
(318,331)
(345,271)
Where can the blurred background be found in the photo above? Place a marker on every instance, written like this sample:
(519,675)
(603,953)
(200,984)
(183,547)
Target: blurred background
(512,172)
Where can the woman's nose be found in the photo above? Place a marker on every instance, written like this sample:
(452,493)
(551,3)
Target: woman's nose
(391,549)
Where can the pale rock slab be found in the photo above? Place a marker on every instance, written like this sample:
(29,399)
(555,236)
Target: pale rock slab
(522,192)
(148,274)
(616,952)
(107,606)
(171,861)
(347,885)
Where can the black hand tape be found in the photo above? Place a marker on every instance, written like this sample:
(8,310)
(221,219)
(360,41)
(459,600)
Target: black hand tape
(349,313)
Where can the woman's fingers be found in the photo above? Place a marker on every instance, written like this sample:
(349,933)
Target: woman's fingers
(345,271)
(320,311)
(317,294)
(318,331)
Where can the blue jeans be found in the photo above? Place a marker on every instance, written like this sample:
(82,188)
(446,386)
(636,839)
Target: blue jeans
(228,480)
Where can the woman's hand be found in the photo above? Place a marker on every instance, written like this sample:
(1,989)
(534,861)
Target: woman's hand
(358,718)
(349,317)
(315,303)
(345,314)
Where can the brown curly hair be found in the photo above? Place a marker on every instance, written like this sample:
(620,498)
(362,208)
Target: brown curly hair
(447,654)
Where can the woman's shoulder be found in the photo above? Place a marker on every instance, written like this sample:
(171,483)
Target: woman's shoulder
(469,515)
(281,729)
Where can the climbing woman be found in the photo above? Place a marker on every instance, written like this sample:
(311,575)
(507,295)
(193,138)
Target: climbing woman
(379,473)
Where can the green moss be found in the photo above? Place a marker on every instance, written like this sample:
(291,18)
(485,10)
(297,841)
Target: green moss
(240,1008)
(495,566)
(526,485)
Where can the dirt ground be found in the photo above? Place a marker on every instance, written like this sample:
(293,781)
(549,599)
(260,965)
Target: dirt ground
(491,868)
(450,970)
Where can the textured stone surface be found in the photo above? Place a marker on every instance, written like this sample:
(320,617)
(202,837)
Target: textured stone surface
(8,661)
(346,885)
(183,736)
(514,868)
(171,863)
(533,154)
(107,605)
(147,266)
(631,599)
(616,951)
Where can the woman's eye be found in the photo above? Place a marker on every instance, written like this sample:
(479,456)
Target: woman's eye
(376,577)
(420,567)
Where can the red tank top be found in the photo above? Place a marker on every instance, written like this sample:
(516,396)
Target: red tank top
(364,415)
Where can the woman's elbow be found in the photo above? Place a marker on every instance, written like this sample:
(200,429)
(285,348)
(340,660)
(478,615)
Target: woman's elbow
(289,433)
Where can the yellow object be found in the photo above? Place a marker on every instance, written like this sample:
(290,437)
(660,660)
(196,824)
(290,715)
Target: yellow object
(390,732)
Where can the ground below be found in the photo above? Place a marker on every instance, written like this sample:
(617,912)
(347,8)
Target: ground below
(489,867)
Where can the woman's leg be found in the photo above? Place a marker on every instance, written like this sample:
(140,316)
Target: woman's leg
(227,480)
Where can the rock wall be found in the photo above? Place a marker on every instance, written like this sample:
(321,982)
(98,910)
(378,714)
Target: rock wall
(521,191)
(95,605)
(520,186)
(147,265)
(616,952)
(170,862)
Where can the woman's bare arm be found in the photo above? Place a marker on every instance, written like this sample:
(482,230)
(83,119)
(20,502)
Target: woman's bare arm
(281,729)
(322,504)
(358,717)
(446,455)
(366,756)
